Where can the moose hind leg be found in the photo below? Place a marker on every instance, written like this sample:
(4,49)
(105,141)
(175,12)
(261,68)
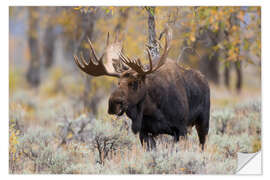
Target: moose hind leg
(175,134)
(152,143)
(202,127)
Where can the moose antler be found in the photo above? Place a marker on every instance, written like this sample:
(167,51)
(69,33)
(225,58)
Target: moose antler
(136,64)
(95,67)
(113,62)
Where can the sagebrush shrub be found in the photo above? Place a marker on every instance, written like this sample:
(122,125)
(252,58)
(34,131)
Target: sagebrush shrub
(221,118)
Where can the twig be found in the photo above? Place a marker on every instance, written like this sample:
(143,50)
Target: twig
(183,51)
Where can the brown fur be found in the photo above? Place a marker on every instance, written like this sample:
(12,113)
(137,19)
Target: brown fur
(167,101)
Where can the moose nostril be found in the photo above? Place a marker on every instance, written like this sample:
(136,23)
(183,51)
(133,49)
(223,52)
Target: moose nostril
(113,104)
(119,102)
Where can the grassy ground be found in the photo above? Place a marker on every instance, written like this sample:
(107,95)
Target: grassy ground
(51,133)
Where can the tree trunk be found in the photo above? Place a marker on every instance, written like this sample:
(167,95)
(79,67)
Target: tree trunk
(87,25)
(209,66)
(122,21)
(33,72)
(209,63)
(234,21)
(154,48)
(238,69)
(237,63)
(227,76)
(49,42)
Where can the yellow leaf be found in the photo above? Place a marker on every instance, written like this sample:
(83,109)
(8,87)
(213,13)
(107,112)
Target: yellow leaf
(234,28)
(192,37)
(17,132)
(77,8)
(69,136)
(241,15)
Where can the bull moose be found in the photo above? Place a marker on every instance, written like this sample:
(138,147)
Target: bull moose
(160,98)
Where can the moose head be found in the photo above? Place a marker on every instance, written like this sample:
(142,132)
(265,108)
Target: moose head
(132,74)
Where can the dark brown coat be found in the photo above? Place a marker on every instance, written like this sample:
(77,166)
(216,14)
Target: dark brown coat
(167,101)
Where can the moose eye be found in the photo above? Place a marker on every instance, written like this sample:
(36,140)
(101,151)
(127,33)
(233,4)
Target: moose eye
(133,85)
(119,102)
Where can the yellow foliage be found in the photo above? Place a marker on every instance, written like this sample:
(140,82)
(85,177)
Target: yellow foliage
(13,141)
(70,135)
(77,8)
(52,86)
(68,20)
(241,15)
(182,169)
(192,37)
(256,145)
(12,81)
(16,80)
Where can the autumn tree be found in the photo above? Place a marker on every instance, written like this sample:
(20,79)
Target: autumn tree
(33,72)
(86,25)
(228,37)
(122,20)
(234,23)
(49,38)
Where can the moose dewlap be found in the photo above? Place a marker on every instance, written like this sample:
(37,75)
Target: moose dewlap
(163,98)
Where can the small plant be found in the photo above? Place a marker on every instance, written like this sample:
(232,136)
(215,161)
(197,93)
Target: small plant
(108,139)
(36,146)
(52,161)
(221,118)
(256,145)
(250,105)
(103,136)
(13,147)
(78,129)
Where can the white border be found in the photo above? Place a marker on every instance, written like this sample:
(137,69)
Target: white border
(4,91)
(138,2)
(265,74)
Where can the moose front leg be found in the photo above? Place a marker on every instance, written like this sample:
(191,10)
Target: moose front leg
(148,139)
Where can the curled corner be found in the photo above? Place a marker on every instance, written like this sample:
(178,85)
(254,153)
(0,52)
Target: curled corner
(249,163)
